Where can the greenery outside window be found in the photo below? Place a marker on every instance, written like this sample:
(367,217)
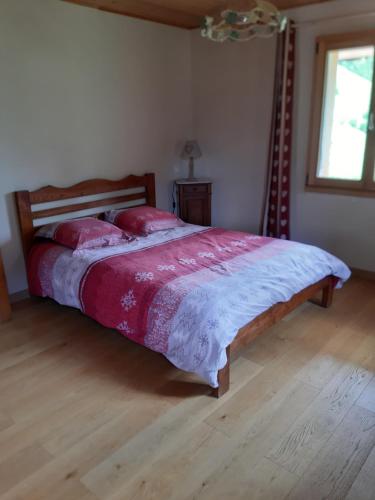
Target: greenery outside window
(342,148)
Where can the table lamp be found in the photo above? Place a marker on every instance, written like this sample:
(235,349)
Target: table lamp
(191,152)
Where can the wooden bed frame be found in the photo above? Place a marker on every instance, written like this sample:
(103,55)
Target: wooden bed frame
(28,220)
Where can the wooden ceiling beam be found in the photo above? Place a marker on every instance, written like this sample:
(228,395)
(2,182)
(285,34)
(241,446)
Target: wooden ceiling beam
(181,13)
(291,4)
(144,10)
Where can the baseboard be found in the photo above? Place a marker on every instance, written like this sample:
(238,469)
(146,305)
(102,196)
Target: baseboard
(362,273)
(18,296)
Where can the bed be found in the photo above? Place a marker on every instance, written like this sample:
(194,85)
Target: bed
(195,294)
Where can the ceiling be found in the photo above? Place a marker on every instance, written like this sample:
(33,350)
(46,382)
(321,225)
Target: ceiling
(182,13)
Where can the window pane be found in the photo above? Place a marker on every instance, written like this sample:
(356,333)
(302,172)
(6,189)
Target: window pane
(347,100)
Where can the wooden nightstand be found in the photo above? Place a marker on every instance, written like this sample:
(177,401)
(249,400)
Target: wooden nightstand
(194,201)
(5,310)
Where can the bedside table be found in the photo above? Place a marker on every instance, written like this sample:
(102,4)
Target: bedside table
(194,201)
(5,311)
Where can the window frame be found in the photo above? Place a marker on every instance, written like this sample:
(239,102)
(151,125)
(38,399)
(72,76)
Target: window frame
(365,186)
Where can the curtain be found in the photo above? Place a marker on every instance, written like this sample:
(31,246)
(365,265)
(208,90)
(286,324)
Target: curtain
(275,220)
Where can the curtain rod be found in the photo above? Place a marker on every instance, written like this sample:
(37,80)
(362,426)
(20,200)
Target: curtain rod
(333,18)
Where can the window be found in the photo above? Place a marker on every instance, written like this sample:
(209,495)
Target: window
(342,149)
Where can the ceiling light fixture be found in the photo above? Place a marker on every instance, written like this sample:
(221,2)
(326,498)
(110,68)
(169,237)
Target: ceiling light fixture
(244,20)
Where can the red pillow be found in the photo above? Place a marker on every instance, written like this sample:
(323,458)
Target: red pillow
(84,233)
(143,220)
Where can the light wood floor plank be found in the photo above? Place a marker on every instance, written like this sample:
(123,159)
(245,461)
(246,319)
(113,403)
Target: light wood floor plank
(103,443)
(299,446)
(173,474)
(363,487)
(193,461)
(21,465)
(5,422)
(367,398)
(63,472)
(306,336)
(254,440)
(266,481)
(319,371)
(86,414)
(275,375)
(62,408)
(335,468)
(168,432)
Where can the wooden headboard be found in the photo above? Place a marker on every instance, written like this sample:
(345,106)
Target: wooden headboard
(29,216)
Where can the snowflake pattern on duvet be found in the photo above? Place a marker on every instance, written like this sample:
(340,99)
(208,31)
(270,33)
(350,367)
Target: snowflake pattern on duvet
(125,328)
(224,249)
(161,314)
(208,255)
(187,261)
(199,356)
(142,277)
(128,301)
(241,244)
(162,267)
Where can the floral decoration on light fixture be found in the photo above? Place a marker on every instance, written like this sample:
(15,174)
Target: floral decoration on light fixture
(253,19)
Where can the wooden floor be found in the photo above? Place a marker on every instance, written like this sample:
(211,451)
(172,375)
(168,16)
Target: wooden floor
(85,414)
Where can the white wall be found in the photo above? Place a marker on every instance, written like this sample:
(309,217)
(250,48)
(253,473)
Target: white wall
(85,93)
(344,225)
(232,102)
(232,96)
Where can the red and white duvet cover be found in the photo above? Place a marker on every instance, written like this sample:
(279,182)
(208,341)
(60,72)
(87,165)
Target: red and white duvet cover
(184,292)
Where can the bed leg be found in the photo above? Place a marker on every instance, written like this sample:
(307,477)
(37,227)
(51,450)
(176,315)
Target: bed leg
(327,294)
(223,378)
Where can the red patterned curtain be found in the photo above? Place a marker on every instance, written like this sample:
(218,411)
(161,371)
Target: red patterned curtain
(276,207)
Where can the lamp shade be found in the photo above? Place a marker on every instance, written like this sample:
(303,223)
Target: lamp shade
(191,150)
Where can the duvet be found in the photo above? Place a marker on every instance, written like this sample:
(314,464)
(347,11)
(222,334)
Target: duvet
(183,292)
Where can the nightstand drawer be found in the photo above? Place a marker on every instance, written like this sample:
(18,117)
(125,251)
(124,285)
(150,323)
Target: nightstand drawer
(196,188)
(194,202)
